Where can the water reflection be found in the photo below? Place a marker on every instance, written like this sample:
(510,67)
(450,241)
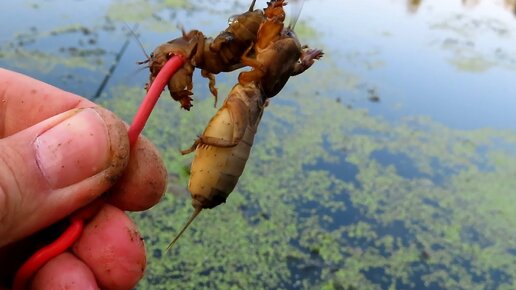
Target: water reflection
(511,4)
(470,3)
(413,5)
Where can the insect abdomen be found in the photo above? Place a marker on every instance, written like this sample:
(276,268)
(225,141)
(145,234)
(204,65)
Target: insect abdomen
(215,172)
(223,151)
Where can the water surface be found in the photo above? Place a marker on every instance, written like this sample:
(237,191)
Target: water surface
(388,165)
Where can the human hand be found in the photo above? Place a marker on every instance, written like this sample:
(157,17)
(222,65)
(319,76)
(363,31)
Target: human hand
(58,153)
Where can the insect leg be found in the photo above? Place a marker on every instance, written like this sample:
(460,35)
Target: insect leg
(180,86)
(256,73)
(306,60)
(250,76)
(213,89)
(192,148)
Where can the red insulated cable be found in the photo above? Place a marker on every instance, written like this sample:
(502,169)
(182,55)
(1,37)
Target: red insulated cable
(74,230)
(42,256)
(157,86)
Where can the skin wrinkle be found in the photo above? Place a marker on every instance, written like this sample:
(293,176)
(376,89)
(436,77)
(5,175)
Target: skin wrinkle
(37,144)
(121,152)
(4,203)
(75,105)
(3,109)
(9,128)
(7,199)
(152,179)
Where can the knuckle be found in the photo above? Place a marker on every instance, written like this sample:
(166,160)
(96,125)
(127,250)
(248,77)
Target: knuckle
(8,195)
(4,207)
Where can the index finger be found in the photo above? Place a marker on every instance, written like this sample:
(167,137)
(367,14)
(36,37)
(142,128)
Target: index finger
(25,101)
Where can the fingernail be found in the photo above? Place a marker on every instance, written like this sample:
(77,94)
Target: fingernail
(74,149)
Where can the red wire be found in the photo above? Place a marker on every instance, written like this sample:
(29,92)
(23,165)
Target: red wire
(74,230)
(157,86)
(42,256)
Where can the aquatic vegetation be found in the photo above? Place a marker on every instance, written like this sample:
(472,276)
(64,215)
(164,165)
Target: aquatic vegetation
(295,221)
(305,31)
(151,14)
(76,48)
(45,62)
(471,64)
(476,44)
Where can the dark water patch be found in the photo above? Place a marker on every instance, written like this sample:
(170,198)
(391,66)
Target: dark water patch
(437,247)
(467,265)
(397,230)
(253,213)
(499,276)
(342,170)
(469,234)
(157,253)
(366,131)
(441,174)
(331,219)
(430,202)
(404,165)
(340,167)
(418,270)
(378,276)
(285,102)
(304,269)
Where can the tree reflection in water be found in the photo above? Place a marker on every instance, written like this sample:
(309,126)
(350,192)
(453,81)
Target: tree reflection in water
(413,5)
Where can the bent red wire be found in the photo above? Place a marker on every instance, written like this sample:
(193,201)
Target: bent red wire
(42,256)
(157,86)
(74,230)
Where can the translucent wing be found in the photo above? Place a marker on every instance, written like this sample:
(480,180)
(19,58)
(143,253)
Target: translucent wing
(295,11)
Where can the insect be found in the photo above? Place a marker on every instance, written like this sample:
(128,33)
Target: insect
(180,85)
(212,56)
(276,44)
(222,150)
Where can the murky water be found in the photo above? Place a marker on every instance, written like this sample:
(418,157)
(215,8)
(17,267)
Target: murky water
(388,165)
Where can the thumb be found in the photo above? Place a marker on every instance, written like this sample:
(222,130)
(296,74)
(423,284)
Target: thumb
(56,166)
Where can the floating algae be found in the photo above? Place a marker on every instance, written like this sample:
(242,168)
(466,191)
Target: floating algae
(448,226)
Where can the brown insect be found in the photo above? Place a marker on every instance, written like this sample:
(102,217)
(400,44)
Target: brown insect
(222,54)
(222,150)
(277,45)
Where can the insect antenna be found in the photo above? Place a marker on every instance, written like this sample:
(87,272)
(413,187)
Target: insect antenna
(136,37)
(140,68)
(296,7)
(111,70)
(252,6)
(190,220)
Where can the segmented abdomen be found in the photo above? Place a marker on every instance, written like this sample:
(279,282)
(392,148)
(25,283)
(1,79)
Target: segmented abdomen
(215,170)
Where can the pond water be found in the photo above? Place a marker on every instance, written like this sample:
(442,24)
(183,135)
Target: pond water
(389,164)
